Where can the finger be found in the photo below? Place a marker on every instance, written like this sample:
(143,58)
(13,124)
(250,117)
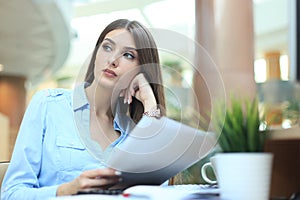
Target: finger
(105,187)
(136,88)
(133,88)
(104,181)
(132,92)
(99,182)
(129,97)
(101,173)
(122,93)
(125,96)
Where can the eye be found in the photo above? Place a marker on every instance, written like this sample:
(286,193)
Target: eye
(107,47)
(129,55)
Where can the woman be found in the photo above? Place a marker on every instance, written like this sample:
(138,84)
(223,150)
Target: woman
(123,83)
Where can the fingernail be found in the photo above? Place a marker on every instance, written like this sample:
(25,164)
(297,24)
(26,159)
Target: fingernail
(128,101)
(118,173)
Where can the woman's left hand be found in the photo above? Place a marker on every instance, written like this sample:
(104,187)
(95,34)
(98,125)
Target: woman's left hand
(140,88)
(90,179)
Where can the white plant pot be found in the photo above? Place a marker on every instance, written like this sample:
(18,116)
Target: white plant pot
(243,176)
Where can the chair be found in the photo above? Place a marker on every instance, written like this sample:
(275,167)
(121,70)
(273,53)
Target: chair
(3,168)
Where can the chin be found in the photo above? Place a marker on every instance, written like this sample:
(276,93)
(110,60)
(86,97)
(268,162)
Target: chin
(106,83)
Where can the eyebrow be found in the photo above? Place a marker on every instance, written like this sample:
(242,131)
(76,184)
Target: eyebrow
(114,43)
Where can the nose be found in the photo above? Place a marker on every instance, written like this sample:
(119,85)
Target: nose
(114,61)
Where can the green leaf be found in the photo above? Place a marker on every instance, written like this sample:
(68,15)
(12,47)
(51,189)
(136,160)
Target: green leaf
(238,125)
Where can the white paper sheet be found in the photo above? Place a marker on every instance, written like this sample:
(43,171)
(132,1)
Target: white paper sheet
(158,149)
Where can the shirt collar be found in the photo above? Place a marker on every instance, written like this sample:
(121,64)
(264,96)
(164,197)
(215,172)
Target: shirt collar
(122,122)
(79,97)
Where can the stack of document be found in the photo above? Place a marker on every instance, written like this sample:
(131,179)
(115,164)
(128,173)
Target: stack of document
(176,192)
(147,192)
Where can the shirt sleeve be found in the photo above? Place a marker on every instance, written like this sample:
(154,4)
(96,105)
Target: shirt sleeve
(21,179)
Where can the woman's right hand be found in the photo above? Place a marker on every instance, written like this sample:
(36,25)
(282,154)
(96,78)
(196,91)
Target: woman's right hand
(96,178)
(140,88)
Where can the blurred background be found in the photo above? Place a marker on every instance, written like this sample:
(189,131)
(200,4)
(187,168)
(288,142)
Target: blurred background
(45,44)
(47,41)
(249,47)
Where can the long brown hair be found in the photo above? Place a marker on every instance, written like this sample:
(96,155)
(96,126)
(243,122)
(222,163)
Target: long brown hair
(147,57)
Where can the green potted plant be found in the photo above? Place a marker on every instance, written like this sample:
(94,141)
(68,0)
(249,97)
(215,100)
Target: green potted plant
(239,126)
(242,168)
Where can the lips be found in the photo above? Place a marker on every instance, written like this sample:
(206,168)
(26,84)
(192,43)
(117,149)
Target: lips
(109,73)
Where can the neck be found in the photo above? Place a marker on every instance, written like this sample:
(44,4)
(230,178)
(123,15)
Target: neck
(101,100)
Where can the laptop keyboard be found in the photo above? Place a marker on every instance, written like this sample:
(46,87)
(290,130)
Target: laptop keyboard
(102,191)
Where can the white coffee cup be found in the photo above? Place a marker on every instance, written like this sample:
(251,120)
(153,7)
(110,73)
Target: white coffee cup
(244,176)
(204,171)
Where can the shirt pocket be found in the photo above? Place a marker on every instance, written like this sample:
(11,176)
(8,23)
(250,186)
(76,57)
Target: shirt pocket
(72,153)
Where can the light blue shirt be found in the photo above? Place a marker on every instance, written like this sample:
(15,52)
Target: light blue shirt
(49,150)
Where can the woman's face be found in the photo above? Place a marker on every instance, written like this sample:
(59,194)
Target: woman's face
(116,57)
